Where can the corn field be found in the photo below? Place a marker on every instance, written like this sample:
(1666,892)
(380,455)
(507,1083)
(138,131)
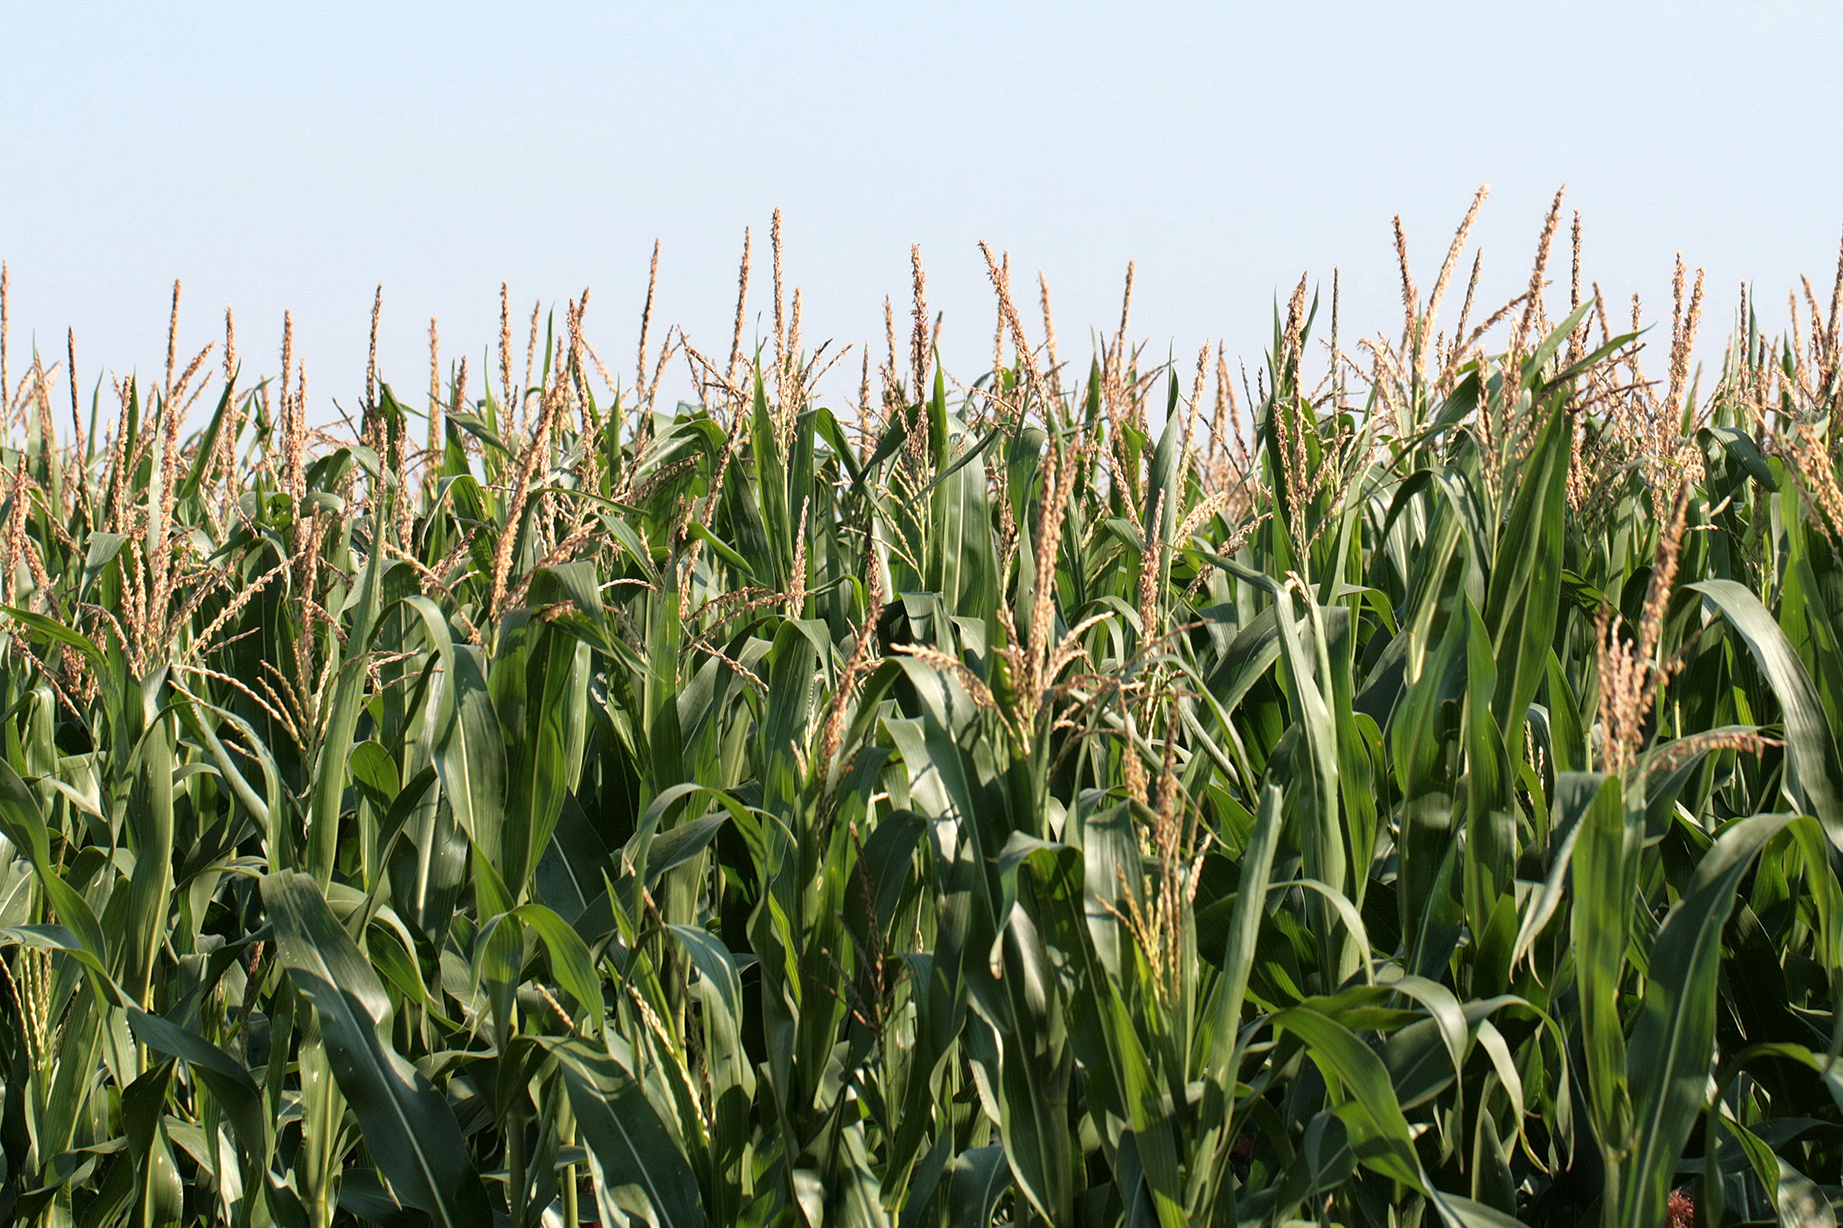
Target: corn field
(1398,787)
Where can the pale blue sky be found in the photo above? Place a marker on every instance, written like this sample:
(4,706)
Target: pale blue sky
(295,156)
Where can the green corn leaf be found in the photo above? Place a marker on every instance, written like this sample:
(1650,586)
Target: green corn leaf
(229,1082)
(22,823)
(348,693)
(1669,1055)
(469,754)
(1526,575)
(1365,1097)
(409,1129)
(1815,781)
(569,959)
(637,1166)
(976,1181)
(1605,873)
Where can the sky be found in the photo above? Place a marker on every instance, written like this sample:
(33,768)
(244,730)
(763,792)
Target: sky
(294,157)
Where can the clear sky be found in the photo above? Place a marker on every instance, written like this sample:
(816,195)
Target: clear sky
(297,155)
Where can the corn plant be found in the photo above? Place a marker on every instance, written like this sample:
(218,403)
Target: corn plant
(1399,789)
